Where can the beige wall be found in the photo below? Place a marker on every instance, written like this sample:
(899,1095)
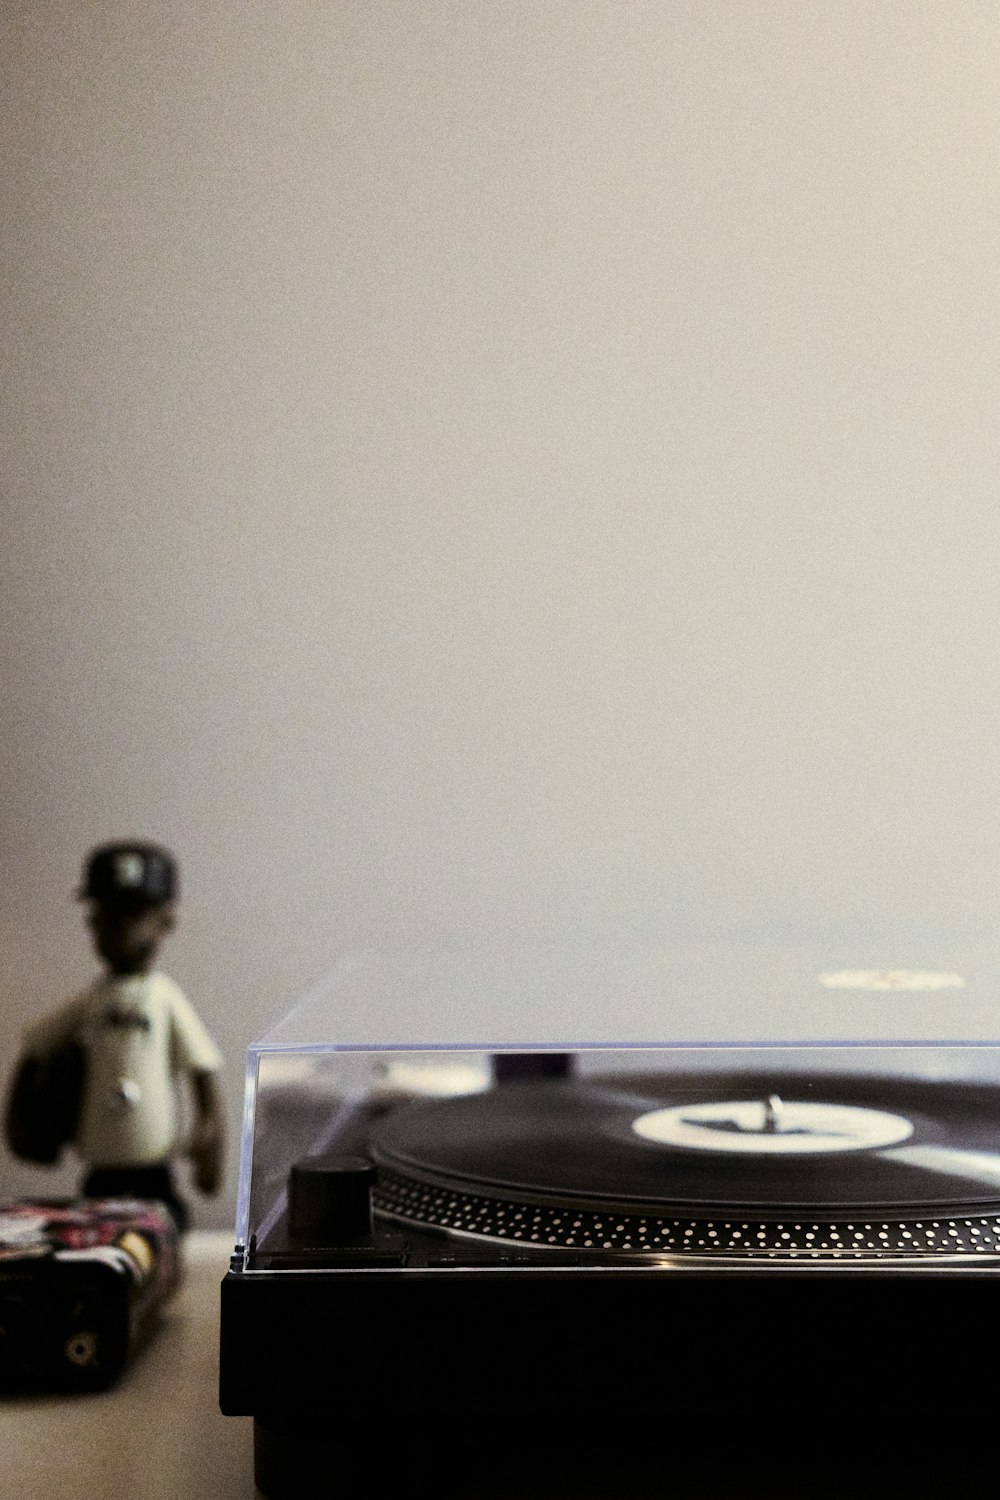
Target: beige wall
(497,465)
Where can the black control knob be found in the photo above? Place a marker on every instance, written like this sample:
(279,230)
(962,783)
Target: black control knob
(330,1200)
(531,1067)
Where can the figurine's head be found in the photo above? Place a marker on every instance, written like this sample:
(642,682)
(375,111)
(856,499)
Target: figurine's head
(131,889)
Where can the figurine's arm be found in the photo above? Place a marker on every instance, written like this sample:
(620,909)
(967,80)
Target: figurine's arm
(209,1133)
(20,1115)
(196,1055)
(44,1096)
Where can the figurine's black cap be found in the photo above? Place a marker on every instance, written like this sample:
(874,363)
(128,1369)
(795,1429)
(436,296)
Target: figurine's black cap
(130,874)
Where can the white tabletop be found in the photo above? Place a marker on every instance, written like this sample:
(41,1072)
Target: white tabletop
(159,1432)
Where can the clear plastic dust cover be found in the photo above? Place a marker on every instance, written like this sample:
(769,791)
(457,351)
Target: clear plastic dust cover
(575,1105)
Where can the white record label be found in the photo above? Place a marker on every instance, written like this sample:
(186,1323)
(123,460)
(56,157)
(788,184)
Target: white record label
(766,1127)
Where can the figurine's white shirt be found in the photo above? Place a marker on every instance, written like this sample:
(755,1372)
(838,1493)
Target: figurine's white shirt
(139,1034)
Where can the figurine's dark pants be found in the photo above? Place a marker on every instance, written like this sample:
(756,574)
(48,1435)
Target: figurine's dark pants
(138,1182)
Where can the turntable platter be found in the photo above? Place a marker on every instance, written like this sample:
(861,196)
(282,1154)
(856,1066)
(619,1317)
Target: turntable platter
(651,1162)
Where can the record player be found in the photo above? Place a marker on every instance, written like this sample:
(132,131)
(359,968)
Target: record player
(541,1260)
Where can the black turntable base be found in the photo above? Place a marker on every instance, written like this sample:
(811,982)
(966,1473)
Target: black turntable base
(693,1387)
(642,1285)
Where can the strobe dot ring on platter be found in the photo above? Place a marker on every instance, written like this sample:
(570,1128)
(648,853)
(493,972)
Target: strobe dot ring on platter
(533,1227)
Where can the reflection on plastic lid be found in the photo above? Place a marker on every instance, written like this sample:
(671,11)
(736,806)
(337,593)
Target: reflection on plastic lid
(891,979)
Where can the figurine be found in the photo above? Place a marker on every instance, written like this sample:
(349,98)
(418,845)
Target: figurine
(100,1072)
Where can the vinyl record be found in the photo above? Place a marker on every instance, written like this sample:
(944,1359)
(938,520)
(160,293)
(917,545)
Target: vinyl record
(706,1141)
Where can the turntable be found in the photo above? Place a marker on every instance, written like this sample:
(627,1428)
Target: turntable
(567,1255)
